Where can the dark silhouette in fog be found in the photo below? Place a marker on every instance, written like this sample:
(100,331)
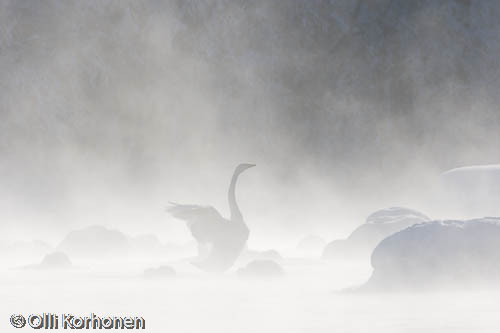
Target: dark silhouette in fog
(55,260)
(225,239)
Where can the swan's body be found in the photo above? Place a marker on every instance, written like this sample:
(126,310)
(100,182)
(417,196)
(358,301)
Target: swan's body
(225,238)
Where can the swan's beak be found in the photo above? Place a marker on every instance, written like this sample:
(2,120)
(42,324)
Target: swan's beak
(247,165)
(244,166)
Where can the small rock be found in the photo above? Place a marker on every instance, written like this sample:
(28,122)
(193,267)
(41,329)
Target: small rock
(261,268)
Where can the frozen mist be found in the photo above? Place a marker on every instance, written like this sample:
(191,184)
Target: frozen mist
(110,109)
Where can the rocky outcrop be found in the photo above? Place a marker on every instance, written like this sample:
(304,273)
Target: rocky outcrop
(55,260)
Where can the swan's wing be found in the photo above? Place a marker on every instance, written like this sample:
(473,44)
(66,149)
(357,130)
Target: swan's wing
(221,257)
(194,213)
(204,222)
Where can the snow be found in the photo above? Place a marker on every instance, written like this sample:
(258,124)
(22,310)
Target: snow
(473,189)
(378,226)
(480,179)
(395,215)
(300,301)
(473,168)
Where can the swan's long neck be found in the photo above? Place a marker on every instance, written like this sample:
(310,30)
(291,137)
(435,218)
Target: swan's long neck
(231,196)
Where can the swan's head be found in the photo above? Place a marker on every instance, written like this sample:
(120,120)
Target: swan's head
(242,167)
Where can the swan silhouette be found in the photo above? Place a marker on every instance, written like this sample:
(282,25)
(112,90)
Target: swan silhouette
(224,239)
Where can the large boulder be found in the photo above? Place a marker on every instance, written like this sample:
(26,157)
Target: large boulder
(55,260)
(366,237)
(438,253)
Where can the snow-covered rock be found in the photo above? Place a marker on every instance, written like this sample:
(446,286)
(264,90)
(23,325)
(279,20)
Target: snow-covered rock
(378,226)
(474,189)
(438,253)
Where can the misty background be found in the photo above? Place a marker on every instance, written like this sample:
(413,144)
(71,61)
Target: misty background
(110,109)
